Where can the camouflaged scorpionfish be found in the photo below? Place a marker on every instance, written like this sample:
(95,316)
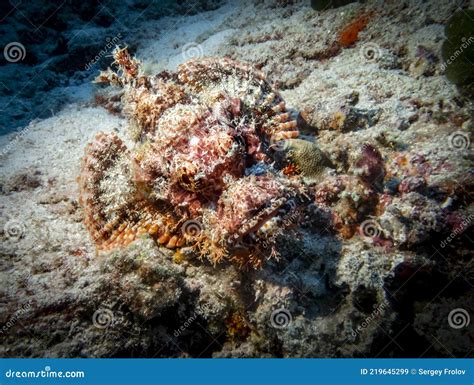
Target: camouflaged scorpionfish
(200,175)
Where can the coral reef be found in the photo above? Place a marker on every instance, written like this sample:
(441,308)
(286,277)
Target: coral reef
(200,174)
(379,256)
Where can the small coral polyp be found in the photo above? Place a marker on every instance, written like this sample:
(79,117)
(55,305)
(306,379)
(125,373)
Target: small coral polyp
(202,160)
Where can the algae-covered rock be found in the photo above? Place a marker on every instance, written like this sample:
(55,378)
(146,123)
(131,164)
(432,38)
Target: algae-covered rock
(458,48)
(460,25)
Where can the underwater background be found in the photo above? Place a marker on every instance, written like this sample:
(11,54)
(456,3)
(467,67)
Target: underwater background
(270,178)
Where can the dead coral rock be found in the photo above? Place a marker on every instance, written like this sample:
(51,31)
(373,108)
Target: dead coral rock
(424,63)
(412,184)
(336,116)
(349,201)
(320,53)
(303,119)
(409,220)
(351,119)
(144,278)
(370,166)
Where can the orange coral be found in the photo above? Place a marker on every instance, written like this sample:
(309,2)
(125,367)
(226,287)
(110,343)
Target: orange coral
(237,326)
(350,33)
(291,169)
